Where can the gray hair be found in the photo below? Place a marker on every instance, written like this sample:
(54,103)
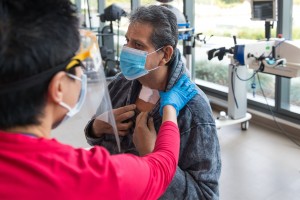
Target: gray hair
(163,21)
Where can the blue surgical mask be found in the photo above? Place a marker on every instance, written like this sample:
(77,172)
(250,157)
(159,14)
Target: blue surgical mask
(132,62)
(79,104)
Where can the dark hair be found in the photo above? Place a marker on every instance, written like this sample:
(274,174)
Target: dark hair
(163,21)
(35,36)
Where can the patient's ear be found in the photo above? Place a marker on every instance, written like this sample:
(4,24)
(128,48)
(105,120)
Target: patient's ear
(56,87)
(168,52)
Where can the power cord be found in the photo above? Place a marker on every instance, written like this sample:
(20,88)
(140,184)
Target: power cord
(273,115)
(234,69)
(269,107)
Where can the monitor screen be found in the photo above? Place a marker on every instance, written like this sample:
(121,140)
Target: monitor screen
(263,10)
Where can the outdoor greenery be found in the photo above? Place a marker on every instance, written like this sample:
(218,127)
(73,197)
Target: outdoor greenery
(251,33)
(295,94)
(218,73)
(227,3)
(212,72)
(220,2)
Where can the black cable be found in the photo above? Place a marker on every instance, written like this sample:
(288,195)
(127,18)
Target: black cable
(273,115)
(260,69)
(233,93)
(255,72)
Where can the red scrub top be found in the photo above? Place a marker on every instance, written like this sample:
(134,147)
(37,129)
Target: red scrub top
(39,168)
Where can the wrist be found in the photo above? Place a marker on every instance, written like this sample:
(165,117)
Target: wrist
(174,106)
(146,151)
(170,113)
(94,130)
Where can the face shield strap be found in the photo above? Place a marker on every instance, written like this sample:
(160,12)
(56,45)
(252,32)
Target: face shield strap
(77,60)
(32,80)
(75,63)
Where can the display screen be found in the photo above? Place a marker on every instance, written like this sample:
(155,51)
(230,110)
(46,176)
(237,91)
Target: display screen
(263,10)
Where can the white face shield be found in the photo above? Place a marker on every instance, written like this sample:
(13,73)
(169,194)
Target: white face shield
(97,102)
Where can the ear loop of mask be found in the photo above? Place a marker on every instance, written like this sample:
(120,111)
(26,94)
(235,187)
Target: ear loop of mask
(76,78)
(155,51)
(79,64)
(152,53)
(73,111)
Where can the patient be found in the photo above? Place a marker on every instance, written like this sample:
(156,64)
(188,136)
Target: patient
(150,62)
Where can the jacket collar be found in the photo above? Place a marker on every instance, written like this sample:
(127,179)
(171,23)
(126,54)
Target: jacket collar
(177,69)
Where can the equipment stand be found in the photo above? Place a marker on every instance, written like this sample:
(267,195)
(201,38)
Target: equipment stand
(237,98)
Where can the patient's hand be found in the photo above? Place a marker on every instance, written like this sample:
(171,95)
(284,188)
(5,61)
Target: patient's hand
(144,136)
(122,116)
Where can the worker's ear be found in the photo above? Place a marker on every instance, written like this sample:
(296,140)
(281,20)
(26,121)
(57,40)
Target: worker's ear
(56,87)
(168,52)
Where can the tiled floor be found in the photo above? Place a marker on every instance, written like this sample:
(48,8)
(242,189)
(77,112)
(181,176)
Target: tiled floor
(257,164)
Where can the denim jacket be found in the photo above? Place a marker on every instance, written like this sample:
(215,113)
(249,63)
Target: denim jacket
(199,165)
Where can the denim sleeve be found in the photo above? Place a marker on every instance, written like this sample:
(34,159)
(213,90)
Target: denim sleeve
(199,166)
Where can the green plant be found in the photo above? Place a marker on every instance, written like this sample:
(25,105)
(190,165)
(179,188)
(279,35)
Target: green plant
(296,33)
(228,3)
(231,1)
(212,72)
(245,33)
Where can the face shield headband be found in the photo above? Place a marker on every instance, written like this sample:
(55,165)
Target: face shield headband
(87,56)
(32,80)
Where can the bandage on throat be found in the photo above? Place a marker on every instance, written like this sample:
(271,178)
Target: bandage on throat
(149,95)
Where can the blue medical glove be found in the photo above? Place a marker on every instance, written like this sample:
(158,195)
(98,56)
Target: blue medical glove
(183,91)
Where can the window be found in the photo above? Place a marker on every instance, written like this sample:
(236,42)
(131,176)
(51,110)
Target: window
(178,4)
(295,96)
(216,22)
(223,21)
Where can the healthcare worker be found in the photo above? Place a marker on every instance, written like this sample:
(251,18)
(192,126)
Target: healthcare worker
(43,84)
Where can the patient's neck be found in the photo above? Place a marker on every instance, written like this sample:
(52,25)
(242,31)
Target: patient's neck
(143,106)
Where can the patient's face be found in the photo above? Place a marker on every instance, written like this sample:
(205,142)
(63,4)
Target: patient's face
(138,36)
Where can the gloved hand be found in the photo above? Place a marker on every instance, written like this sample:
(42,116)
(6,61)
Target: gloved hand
(183,91)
